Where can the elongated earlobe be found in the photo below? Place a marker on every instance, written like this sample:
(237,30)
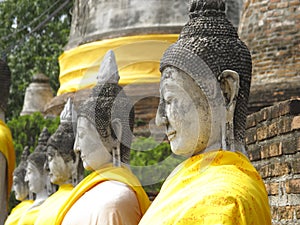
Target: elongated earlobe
(229,83)
(117,129)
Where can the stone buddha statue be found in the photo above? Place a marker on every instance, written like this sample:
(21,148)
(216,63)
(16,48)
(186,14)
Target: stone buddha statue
(62,160)
(20,187)
(37,177)
(63,164)
(111,194)
(204,92)
(7,153)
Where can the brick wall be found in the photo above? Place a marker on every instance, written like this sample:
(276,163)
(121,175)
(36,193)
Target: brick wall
(273,142)
(271,30)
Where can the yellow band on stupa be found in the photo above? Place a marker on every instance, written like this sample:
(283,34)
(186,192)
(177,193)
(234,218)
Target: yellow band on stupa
(137,57)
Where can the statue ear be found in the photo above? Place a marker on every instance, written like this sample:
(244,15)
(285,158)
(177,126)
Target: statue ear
(117,128)
(116,150)
(230,84)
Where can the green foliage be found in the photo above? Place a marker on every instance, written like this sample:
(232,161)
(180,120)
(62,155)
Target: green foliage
(26,130)
(140,122)
(29,50)
(152,162)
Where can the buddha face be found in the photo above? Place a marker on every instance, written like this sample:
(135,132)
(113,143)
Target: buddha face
(35,179)
(185,113)
(60,171)
(94,152)
(20,187)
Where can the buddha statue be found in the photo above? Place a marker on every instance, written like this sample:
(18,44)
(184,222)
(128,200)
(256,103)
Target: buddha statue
(62,160)
(7,153)
(63,164)
(37,177)
(204,92)
(110,194)
(20,187)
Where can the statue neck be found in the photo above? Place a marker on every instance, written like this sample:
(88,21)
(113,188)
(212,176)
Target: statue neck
(40,197)
(65,182)
(239,147)
(2,115)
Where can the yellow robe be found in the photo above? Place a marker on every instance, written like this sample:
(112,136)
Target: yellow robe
(29,216)
(17,212)
(109,172)
(50,208)
(7,149)
(218,187)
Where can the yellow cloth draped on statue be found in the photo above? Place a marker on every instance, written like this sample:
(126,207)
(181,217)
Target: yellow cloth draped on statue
(108,173)
(50,208)
(138,58)
(7,149)
(218,187)
(17,212)
(29,216)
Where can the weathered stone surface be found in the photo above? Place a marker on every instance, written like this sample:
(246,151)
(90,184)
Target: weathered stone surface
(276,155)
(98,19)
(293,186)
(272,188)
(37,95)
(270,28)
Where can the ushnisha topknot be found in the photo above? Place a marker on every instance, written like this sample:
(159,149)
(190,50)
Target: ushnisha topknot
(208,43)
(38,157)
(20,170)
(107,102)
(42,141)
(202,7)
(5,81)
(63,138)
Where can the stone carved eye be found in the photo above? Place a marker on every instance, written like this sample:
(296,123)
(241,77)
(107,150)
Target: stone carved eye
(168,74)
(167,101)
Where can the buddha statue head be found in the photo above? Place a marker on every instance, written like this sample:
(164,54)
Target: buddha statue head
(205,83)
(105,120)
(20,186)
(36,173)
(61,158)
(5,81)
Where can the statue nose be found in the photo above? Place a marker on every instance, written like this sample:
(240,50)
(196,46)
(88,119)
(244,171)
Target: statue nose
(46,165)
(161,118)
(76,146)
(77,149)
(26,178)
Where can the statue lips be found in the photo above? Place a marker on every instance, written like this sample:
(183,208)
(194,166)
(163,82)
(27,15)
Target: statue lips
(82,157)
(171,134)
